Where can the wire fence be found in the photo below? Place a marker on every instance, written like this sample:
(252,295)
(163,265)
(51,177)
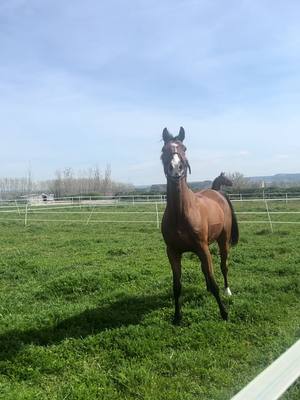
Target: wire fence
(250,196)
(139,210)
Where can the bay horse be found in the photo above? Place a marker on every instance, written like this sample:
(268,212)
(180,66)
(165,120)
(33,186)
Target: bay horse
(221,180)
(192,221)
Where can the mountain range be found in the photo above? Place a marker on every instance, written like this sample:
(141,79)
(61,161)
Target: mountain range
(277,180)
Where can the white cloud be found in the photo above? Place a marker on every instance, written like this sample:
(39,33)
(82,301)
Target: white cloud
(86,84)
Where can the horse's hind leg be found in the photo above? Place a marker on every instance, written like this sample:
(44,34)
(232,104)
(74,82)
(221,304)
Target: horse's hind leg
(224,248)
(175,261)
(207,268)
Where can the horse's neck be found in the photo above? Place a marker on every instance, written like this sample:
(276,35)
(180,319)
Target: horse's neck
(178,195)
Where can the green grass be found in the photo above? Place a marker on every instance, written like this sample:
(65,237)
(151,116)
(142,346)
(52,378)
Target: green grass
(86,310)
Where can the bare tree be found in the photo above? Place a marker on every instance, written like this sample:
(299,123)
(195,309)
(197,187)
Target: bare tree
(239,180)
(107,187)
(65,183)
(56,185)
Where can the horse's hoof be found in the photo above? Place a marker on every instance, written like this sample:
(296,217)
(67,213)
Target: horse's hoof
(227,292)
(224,315)
(177,320)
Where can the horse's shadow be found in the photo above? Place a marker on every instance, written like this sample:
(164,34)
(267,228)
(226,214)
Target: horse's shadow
(129,310)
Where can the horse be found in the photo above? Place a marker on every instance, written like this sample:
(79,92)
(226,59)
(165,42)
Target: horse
(192,221)
(221,180)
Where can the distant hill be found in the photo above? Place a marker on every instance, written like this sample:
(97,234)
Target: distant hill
(277,179)
(161,188)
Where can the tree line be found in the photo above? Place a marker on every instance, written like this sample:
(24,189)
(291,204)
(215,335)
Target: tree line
(66,182)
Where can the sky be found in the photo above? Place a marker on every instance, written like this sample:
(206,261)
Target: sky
(91,83)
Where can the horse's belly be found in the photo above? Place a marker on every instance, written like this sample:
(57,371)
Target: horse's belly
(180,240)
(214,231)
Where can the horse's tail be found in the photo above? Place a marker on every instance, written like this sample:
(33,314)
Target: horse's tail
(234,237)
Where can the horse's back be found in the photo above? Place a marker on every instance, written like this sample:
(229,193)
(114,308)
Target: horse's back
(212,195)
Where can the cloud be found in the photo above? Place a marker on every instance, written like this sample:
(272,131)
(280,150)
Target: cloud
(283,156)
(243,153)
(86,84)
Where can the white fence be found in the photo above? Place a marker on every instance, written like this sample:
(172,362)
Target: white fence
(139,209)
(275,379)
(280,196)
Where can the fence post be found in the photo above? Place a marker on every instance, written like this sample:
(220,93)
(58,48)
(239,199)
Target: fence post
(269,216)
(26,212)
(157,216)
(88,220)
(17,207)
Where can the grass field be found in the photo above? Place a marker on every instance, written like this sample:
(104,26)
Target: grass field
(86,310)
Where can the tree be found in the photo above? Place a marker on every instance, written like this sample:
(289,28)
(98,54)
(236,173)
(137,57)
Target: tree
(239,181)
(107,184)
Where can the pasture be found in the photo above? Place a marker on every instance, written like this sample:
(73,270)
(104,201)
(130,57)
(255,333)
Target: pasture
(86,306)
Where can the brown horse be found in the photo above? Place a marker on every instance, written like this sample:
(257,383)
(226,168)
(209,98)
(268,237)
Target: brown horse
(221,180)
(194,220)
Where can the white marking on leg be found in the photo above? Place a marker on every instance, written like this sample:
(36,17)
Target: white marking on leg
(228,292)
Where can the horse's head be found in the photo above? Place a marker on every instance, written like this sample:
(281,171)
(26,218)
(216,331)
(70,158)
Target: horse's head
(173,155)
(224,180)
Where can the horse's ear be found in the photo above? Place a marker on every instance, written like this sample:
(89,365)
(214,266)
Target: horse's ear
(181,135)
(166,135)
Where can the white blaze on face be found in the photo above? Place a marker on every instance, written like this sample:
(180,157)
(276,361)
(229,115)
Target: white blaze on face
(176,163)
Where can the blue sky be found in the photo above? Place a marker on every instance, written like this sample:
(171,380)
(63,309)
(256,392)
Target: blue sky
(86,83)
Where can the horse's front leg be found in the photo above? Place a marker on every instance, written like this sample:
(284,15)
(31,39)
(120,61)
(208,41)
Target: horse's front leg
(175,261)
